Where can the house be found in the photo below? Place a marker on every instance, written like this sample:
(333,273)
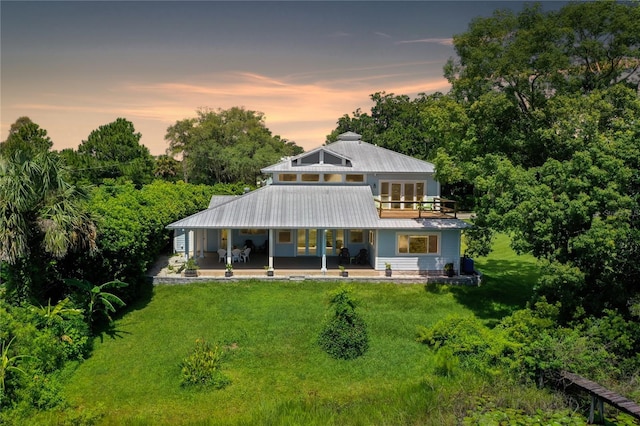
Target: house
(346,194)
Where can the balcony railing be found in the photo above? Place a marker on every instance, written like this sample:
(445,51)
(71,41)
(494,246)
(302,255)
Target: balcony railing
(435,207)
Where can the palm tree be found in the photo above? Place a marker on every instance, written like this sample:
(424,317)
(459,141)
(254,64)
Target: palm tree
(41,218)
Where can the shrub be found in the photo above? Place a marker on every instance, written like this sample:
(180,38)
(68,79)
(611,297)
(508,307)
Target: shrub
(445,362)
(476,347)
(344,335)
(203,367)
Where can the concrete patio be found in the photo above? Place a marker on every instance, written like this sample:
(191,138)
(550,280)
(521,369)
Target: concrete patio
(166,271)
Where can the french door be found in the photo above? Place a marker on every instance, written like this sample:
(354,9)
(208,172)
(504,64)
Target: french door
(401,195)
(307,243)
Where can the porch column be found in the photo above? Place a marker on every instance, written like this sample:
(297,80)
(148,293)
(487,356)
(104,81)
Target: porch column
(204,234)
(324,252)
(270,248)
(229,245)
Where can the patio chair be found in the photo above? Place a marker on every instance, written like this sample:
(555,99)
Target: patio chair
(235,255)
(363,257)
(222,253)
(245,254)
(344,256)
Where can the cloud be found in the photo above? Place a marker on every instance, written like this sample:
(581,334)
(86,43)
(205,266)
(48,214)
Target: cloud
(381,34)
(300,107)
(441,41)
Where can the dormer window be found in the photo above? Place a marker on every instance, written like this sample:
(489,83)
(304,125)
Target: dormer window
(332,177)
(331,159)
(354,178)
(287,177)
(320,157)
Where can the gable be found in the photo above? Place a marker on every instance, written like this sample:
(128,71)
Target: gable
(320,156)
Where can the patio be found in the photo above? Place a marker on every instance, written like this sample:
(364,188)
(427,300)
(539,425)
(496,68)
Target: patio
(165,271)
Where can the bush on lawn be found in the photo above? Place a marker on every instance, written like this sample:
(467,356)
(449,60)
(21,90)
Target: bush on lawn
(344,335)
(203,367)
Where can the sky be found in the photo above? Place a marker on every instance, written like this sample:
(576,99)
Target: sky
(75,66)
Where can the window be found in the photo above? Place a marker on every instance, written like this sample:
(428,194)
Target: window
(253,231)
(332,177)
(306,177)
(288,177)
(354,178)
(284,236)
(356,236)
(311,158)
(418,244)
(331,159)
(372,238)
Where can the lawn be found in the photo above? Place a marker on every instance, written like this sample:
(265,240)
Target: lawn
(279,375)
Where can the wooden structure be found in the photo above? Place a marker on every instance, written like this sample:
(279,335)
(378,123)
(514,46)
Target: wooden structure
(433,208)
(600,395)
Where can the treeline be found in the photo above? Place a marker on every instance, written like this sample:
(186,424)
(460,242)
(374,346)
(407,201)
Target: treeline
(222,146)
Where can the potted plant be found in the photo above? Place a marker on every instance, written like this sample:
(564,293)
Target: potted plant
(269,270)
(343,271)
(191,268)
(387,269)
(448,269)
(228,270)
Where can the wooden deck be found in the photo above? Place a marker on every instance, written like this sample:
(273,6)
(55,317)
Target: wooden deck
(599,395)
(413,214)
(436,208)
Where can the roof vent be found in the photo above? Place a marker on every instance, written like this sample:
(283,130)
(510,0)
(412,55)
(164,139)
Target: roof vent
(349,136)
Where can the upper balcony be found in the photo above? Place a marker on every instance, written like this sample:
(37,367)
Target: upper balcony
(431,208)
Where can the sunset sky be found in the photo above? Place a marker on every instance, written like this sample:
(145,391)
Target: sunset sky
(74,66)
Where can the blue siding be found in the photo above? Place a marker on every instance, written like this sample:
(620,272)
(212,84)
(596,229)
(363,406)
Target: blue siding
(285,250)
(449,252)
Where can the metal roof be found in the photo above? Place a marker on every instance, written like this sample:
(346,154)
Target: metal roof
(364,158)
(220,199)
(308,206)
(280,206)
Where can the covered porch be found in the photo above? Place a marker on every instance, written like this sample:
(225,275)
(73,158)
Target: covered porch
(167,271)
(211,266)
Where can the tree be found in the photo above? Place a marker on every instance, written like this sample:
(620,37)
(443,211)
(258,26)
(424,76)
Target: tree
(27,137)
(344,335)
(226,146)
(181,140)
(114,151)
(534,55)
(395,123)
(41,219)
(510,66)
(578,214)
(167,168)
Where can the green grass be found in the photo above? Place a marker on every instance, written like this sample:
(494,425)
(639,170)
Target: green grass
(507,284)
(279,375)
